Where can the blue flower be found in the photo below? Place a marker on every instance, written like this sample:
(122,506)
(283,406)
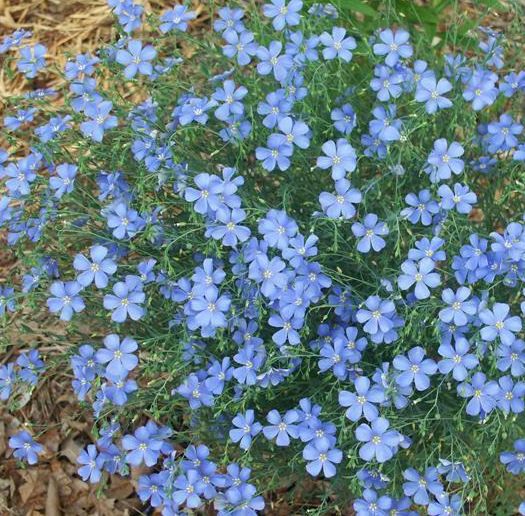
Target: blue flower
(515,461)
(142,446)
(271,60)
(91,464)
(419,274)
(503,134)
(227,228)
(295,132)
(379,442)
(512,357)
(230,98)
(30,366)
(519,153)
(123,220)
(118,355)
(195,109)
(207,197)
(482,395)
(275,108)
(385,126)
(283,14)
(100,121)
(282,428)
(455,471)
(510,396)
(55,126)
(210,308)
(461,198)
(370,233)
(415,369)
(97,269)
(334,355)
(456,359)
(481,89)
(241,500)
(195,392)
(444,160)
(432,93)
(344,119)
(499,324)
(187,489)
(241,45)
(422,207)
(32,60)
(491,48)
(176,19)
(386,83)
(64,181)
(12,123)
(136,58)
(250,360)
(84,64)
(247,428)
(7,380)
(21,178)
(302,49)
(126,300)
(7,300)
(363,401)
(512,83)
(377,317)
(268,273)
(229,20)
(299,249)
(460,309)
(152,488)
(418,486)
(66,299)
(219,373)
(25,447)
(340,157)
(337,44)
(445,505)
(372,505)
(394,45)
(14,40)
(275,155)
(340,204)
(323,458)
(511,243)
(277,228)
(85,94)
(288,332)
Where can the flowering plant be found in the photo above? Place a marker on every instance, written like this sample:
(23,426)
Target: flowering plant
(308,254)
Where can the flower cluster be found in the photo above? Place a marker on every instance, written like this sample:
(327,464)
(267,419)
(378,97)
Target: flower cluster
(315,254)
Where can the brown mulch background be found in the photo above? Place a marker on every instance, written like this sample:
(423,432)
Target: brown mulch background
(52,487)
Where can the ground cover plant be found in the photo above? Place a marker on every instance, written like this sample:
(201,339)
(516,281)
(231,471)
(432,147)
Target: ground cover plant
(301,255)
